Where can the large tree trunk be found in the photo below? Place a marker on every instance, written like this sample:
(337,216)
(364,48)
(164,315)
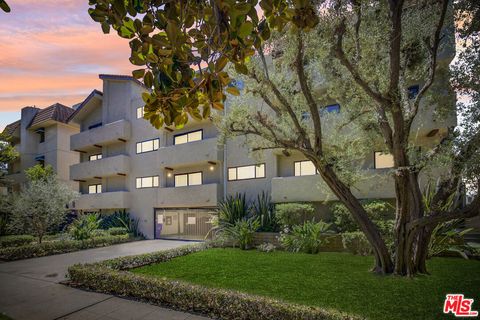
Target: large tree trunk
(383,261)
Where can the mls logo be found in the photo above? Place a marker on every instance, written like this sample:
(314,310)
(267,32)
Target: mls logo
(459,306)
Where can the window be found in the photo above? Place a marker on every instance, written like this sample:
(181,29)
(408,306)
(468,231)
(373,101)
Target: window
(383,160)
(147,182)
(140,112)
(413,91)
(96,125)
(95,188)
(305,116)
(305,168)
(94,157)
(41,134)
(147,146)
(246,172)
(188,137)
(188,179)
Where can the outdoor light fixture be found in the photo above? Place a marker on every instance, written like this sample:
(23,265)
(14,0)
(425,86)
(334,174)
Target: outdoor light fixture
(169,174)
(212,168)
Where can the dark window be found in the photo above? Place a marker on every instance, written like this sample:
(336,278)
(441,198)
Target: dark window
(413,91)
(41,134)
(333,108)
(96,125)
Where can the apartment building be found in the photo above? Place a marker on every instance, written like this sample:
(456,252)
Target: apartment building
(42,136)
(173,179)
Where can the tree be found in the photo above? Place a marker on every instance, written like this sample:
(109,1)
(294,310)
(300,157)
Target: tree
(8,153)
(4,6)
(39,172)
(368,52)
(41,206)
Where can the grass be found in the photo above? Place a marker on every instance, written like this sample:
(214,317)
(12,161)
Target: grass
(332,280)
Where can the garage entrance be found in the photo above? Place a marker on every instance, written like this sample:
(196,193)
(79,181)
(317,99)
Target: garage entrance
(188,224)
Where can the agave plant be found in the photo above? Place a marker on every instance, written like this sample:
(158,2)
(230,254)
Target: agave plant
(264,209)
(242,232)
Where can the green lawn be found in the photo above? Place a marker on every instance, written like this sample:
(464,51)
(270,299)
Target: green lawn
(333,280)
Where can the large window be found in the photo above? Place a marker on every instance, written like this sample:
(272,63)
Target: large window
(304,168)
(188,179)
(188,137)
(147,146)
(383,160)
(95,188)
(246,172)
(147,182)
(94,157)
(140,112)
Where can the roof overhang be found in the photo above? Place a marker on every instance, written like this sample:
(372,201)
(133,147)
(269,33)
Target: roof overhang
(93,101)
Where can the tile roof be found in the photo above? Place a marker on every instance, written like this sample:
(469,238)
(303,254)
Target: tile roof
(84,102)
(57,112)
(10,128)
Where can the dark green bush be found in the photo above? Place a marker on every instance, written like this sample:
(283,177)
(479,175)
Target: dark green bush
(217,303)
(16,240)
(83,227)
(116,231)
(99,233)
(241,233)
(264,209)
(121,219)
(307,237)
(291,214)
(378,210)
(57,247)
(356,242)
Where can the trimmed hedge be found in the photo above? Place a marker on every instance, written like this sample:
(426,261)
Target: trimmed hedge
(112,276)
(58,247)
(117,231)
(16,240)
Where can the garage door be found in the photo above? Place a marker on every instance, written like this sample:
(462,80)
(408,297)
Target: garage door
(192,223)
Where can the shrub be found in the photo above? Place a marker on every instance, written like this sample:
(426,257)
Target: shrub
(377,210)
(266,247)
(233,209)
(305,238)
(291,214)
(83,227)
(111,277)
(241,233)
(57,247)
(448,237)
(117,231)
(356,242)
(99,233)
(121,219)
(16,240)
(264,209)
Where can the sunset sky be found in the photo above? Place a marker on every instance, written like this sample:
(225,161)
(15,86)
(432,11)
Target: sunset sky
(52,51)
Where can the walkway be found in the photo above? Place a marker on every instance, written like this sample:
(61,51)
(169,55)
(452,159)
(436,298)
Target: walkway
(30,289)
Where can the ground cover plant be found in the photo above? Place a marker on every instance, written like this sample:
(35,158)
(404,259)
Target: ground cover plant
(339,281)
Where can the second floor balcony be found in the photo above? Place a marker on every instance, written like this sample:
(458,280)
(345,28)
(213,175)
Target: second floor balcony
(205,195)
(106,167)
(97,137)
(191,153)
(107,200)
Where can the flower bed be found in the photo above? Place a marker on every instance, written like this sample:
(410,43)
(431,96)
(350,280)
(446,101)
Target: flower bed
(47,248)
(112,276)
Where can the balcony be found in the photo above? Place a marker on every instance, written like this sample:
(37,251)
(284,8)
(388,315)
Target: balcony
(206,195)
(376,185)
(105,167)
(107,200)
(188,154)
(110,133)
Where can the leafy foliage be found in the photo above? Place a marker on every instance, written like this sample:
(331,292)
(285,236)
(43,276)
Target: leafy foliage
(39,172)
(377,210)
(233,209)
(84,226)
(8,153)
(183,47)
(116,231)
(448,237)
(356,242)
(121,219)
(41,206)
(16,240)
(307,237)
(291,214)
(264,209)
(242,232)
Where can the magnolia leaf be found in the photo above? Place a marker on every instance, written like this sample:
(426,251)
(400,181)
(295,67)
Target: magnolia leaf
(105,27)
(245,29)
(233,91)
(4,6)
(221,63)
(138,74)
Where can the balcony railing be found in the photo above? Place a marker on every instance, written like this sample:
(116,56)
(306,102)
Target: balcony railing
(206,195)
(107,200)
(190,153)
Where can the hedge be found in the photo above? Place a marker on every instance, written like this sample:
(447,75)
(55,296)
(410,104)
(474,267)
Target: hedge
(112,276)
(15,240)
(58,247)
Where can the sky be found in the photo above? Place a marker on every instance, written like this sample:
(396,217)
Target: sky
(52,51)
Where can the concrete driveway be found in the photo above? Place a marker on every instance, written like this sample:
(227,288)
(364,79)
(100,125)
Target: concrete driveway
(30,289)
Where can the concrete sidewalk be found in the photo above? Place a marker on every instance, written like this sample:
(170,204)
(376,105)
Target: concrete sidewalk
(30,289)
